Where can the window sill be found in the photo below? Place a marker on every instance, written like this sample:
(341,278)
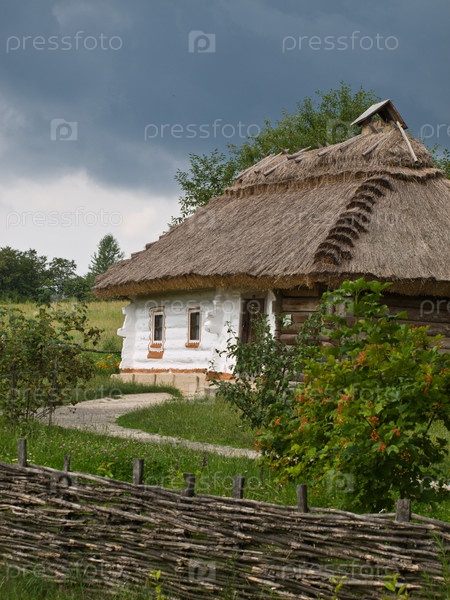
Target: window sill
(155,353)
(192,344)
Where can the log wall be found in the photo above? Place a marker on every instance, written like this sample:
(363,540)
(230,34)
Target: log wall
(422,311)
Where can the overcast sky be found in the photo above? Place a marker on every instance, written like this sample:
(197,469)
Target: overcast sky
(101,101)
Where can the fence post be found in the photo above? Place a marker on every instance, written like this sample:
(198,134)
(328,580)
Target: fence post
(138,471)
(238,487)
(302,498)
(67,462)
(189,490)
(403,514)
(22,452)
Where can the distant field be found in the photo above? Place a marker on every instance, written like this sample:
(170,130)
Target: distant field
(105,315)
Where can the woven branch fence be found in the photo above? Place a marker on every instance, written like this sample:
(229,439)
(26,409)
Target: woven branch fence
(63,524)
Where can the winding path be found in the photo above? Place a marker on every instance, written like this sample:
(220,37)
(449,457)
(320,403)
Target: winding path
(99,416)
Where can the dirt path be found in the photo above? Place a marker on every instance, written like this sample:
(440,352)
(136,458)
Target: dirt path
(99,416)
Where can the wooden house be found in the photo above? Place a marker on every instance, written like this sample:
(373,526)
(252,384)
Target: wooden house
(289,228)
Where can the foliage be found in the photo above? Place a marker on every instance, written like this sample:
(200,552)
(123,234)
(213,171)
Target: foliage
(361,420)
(26,276)
(325,119)
(442,159)
(40,363)
(108,253)
(207,177)
(317,121)
(263,370)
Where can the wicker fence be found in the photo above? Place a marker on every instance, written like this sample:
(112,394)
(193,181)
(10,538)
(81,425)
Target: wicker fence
(64,524)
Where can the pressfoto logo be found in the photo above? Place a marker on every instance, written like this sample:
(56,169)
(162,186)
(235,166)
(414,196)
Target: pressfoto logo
(352,42)
(200,42)
(63,131)
(64,43)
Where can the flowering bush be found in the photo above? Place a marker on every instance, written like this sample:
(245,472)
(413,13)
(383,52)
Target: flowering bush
(362,420)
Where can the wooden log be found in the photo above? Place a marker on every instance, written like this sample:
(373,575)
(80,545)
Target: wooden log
(299,304)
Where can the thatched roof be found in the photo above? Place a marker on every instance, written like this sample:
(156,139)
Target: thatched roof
(362,207)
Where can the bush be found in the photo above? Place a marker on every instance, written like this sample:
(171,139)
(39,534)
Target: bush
(361,420)
(264,370)
(40,364)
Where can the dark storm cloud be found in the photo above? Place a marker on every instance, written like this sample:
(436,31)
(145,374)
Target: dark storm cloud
(145,82)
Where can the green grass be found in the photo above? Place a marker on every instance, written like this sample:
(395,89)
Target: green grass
(103,386)
(16,584)
(164,463)
(104,315)
(203,419)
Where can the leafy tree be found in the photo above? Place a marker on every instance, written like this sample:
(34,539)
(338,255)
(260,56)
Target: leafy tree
(41,361)
(360,429)
(207,177)
(60,273)
(108,253)
(22,274)
(318,121)
(325,119)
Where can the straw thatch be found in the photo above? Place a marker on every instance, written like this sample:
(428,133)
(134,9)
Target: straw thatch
(362,207)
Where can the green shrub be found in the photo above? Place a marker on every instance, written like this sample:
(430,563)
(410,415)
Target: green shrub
(360,426)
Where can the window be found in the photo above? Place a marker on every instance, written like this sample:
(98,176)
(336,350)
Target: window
(157,333)
(158,324)
(194,327)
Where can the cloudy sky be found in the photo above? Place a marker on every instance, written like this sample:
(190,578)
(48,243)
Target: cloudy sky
(101,101)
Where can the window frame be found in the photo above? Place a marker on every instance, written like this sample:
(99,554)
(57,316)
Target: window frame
(156,347)
(191,342)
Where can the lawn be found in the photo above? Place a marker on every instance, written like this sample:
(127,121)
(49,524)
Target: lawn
(204,419)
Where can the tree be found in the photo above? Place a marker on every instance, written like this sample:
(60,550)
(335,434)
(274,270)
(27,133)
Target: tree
(323,120)
(22,274)
(60,274)
(207,177)
(360,429)
(108,253)
(318,121)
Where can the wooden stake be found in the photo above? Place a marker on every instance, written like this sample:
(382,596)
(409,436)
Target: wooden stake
(238,487)
(138,471)
(403,514)
(189,490)
(302,498)
(22,452)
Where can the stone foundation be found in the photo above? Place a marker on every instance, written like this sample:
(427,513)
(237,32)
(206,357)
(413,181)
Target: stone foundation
(189,384)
